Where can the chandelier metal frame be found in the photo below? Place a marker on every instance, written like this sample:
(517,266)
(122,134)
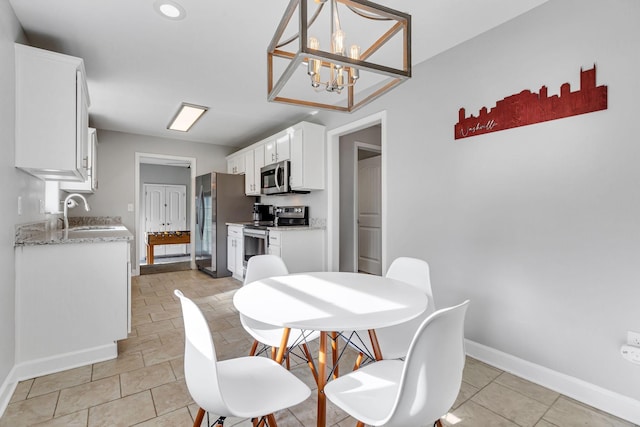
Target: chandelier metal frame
(364,9)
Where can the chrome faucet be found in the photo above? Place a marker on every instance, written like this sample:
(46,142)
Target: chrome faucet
(69,202)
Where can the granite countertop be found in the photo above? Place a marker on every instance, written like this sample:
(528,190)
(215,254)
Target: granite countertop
(240,224)
(40,234)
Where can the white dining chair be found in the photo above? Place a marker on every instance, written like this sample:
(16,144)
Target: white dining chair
(416,391)
(262,267)
(394,340)
(233,387)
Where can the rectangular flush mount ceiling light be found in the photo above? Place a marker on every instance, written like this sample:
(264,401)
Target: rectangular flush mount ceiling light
(186,116)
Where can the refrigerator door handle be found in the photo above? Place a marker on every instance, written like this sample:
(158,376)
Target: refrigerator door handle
(200,215)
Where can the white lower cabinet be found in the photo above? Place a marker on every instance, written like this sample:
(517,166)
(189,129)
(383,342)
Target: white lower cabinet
(302,250)
(235,251)
(72,304)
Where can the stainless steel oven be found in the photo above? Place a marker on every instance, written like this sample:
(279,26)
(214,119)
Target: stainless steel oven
(256,239)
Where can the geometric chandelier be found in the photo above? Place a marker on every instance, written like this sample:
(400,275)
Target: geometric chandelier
(338,54)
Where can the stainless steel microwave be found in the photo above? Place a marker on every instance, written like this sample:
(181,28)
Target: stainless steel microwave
(274,178)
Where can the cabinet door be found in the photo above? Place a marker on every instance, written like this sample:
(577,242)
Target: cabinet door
(307,157)
(270,152)
(275,250)
(93,159)
(258,157)
(91,183)
(254,162)
(82,134)
(231,254)
(297,159)
(51,117)
(249,174)
(239,255)
(283,150)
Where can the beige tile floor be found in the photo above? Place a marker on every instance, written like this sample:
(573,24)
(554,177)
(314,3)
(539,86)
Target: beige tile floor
(145,385)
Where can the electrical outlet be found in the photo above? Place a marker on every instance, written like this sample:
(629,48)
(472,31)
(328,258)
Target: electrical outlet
(633,338)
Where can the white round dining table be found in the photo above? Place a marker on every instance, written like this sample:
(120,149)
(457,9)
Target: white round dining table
(329,302)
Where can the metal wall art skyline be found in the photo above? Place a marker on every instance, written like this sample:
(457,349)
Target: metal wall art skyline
(527,108)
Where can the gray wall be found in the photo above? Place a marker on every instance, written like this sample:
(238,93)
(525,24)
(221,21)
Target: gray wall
(538,225)
(15,183)
(348,202)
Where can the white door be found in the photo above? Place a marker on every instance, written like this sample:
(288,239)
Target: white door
(166,210)
(370,215)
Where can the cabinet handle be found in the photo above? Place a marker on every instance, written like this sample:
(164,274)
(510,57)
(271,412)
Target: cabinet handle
(85,163)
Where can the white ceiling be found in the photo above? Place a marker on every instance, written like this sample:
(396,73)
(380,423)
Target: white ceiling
(140,66)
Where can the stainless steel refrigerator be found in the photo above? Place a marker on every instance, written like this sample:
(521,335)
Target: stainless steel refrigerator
(220,199)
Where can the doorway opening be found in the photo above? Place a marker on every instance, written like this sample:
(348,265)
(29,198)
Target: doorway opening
(164,206)
(355,243)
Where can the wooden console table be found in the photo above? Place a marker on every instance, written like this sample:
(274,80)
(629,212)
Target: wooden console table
(165,238)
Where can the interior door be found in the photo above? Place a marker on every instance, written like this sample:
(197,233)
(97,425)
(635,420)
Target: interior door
(370,215)
(175,215)
(165,210)
(154,212)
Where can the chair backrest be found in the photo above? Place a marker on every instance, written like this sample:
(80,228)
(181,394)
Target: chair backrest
(200,369)
(415,272)
(263,266)
(432,372)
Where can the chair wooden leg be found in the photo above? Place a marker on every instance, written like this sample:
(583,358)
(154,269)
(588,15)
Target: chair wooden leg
(274,352)
(312,366)
(199,417)
(360,424)
(288,364)
(254,348)
(358,361)
(272,420)
(438,423)
(334,354)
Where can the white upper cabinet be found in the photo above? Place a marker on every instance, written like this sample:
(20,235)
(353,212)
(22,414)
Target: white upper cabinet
(254,161)
(90,185)
(236,164)
(307,157)
(52,118)
(303,145)
(278,148)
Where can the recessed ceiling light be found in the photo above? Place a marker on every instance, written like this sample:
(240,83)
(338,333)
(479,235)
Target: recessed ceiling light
(186,116)
(170,9)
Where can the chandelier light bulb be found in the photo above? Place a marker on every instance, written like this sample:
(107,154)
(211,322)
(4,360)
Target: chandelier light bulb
(354,53)
(338,42)
(313,65)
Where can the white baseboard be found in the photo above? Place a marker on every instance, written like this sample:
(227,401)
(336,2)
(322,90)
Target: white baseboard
(6,390)
(606,400)
(62,362)
(49,365)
